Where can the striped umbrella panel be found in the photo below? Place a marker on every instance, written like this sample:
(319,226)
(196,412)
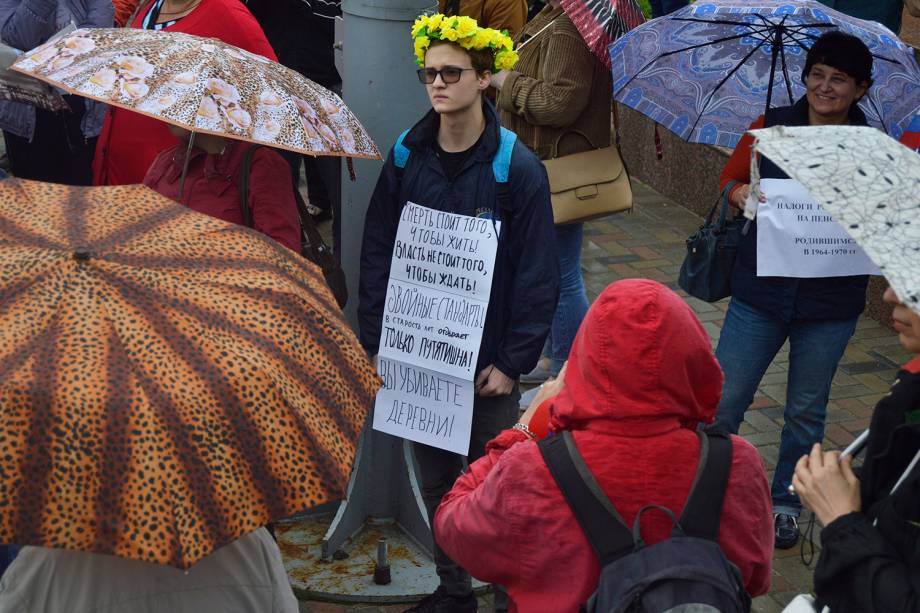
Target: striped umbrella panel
(168,381)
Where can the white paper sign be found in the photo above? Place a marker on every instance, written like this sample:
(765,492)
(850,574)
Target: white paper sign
(796,237)
(433,317)
(424,405)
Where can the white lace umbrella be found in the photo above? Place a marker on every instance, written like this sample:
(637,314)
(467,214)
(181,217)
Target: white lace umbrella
(868,182)
(203,85)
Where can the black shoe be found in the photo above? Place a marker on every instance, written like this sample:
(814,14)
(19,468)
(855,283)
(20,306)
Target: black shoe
(786,530)
(440,602)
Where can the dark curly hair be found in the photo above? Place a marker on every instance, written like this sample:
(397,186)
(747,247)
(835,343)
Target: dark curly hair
(842,51)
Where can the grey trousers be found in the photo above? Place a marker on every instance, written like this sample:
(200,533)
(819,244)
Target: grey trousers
(438,469)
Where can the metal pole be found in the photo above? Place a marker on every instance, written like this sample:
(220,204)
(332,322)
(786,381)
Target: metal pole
(381,88)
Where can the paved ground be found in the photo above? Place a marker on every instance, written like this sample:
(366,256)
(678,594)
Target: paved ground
(650,243)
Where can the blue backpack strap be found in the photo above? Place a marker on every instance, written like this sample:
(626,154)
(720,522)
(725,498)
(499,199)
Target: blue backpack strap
(501,169)
(400,151)
(501,163)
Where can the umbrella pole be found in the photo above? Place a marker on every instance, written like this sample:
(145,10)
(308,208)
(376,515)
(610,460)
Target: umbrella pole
(777,45)
(188,154)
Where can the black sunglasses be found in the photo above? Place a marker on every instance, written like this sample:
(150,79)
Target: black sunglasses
(449,74)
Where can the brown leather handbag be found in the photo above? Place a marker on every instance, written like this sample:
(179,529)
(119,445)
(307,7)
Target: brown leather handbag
(587,185)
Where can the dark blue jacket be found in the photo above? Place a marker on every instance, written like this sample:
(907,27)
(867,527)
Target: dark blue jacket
(525,286)
(785,297)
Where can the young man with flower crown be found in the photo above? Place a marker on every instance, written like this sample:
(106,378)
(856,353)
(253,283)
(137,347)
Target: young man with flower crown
(449,168)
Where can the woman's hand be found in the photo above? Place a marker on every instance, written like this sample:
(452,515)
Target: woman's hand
(826,485)
(551,388)
(498,79)
(740,195)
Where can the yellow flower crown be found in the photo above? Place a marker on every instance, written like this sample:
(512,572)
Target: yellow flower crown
(465,32)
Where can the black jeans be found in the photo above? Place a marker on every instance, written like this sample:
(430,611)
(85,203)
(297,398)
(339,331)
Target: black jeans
(58,152)
(438,469)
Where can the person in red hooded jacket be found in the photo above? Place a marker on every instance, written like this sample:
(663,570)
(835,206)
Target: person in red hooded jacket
(129,141)
(212,183)
(640,377)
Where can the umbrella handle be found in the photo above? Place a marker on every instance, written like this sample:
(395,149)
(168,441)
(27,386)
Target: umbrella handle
(188,155)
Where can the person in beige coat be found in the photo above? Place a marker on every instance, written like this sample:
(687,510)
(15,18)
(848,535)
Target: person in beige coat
(558,101)
(246,576)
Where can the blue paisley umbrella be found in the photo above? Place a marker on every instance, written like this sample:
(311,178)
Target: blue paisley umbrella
(707,71)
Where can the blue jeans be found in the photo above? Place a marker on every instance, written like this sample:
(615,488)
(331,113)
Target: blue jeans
(749,341)
(664,7)
(573,301)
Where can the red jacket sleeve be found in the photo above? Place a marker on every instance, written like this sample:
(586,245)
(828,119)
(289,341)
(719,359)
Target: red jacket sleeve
(746,533)
(271,199)
(738,168)
(474,523)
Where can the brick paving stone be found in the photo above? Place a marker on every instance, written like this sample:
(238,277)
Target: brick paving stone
(848,391)
(836,415)
(649,242)
(762,402)
(874,382)
(855,426)
(646,253)
(838,435)
(650,264)
(759,420)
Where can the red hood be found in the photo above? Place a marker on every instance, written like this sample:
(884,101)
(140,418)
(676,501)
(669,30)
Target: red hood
(641,364)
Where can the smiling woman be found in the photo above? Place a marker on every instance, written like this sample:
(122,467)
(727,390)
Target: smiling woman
(817,315)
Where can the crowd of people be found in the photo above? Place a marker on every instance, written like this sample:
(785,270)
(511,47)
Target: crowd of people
(632,376)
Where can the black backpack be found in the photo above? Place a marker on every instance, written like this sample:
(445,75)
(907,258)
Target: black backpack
(312,246)
(685,573)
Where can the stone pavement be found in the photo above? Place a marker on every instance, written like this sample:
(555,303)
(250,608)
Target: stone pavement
(649,243)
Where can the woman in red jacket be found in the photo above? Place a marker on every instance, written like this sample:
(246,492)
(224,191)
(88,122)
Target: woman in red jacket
(129,141)
(212,179)
(640,376)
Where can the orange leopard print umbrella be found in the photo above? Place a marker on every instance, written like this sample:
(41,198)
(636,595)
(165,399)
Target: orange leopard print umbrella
(168,381)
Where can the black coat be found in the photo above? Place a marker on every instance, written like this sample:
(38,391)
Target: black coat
(865,568)
(790,298)
(302,39)
(525,285)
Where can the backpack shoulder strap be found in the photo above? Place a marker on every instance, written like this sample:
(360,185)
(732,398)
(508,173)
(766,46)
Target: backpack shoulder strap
(501,169)
(703,510)
(501,163)
(400,151)
(602,524)
(242,184)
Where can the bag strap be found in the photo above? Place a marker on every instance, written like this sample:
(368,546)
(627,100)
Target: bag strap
(603,526)
(311,240)
(242,183)
(400,151)
(501,170)
(703,510)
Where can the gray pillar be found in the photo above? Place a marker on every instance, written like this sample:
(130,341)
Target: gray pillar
(381,88)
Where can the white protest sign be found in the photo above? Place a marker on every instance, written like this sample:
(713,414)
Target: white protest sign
(433,317)
(796,237)
(424,406)
(438,291)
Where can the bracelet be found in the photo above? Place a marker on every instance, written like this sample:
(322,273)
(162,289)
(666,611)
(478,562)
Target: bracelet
(523,428)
